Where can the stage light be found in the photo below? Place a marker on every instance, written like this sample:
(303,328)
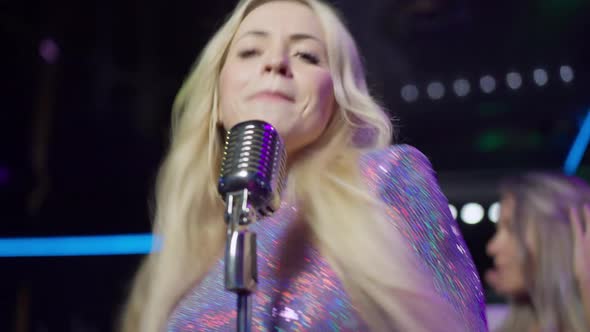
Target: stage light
(513,80)
(566,73)
(574,157)
(122,244)
(409,93)
(494,212)
(453,211)
(435,90)
(487,84)
(4,175)
(49,50)
(461,87)
(472,213)
(540,76)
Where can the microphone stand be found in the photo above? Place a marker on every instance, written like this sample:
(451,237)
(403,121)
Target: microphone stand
(241,270)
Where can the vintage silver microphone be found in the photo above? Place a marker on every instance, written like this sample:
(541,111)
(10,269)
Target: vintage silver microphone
(253,173)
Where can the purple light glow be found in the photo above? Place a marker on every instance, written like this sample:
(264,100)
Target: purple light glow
(49,50)
(4,175)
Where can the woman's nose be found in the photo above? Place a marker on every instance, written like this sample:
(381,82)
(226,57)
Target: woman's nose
(278,64)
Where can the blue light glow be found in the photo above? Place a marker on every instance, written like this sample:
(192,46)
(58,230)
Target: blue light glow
(577,150)
(123,244)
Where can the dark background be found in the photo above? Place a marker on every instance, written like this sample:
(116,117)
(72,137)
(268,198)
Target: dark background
(86,90)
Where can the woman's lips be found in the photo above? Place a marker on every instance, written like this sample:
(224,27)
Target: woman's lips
(273,96)
(492,276)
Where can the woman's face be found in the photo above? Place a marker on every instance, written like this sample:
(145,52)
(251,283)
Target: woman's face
(276,71)
(507,277)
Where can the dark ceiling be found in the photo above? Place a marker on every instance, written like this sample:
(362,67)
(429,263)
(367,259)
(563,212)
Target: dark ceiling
(87,89)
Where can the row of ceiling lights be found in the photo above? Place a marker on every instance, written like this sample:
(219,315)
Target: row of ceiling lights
(436,90)
(473,213)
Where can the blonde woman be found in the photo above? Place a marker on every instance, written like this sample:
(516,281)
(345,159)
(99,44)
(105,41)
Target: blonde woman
(541,253)
(363,240)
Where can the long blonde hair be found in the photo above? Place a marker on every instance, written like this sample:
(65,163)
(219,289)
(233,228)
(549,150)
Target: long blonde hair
(553,298)
(189,211)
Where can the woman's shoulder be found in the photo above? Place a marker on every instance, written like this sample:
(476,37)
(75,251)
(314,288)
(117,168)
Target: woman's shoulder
(402,166)
(397,156)
(404,180)
(403,176)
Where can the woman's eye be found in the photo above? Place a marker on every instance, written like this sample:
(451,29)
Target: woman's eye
(248,53)
(308,57)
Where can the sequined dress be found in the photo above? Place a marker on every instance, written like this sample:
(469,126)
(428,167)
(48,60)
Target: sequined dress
(313,298)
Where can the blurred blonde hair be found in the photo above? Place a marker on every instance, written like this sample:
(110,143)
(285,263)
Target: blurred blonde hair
(541,208)
(189,212)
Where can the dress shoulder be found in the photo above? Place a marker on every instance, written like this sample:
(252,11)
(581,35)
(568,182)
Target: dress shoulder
(405,181)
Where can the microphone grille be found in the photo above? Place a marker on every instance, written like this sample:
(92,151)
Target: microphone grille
(254,158)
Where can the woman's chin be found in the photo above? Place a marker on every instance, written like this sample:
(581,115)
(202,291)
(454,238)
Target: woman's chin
(494,279)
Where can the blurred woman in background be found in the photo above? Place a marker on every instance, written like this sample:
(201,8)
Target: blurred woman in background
(541,253)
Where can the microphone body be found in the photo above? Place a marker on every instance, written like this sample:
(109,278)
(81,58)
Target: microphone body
(251,180)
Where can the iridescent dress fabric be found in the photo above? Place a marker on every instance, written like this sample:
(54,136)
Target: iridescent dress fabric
(305,294)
